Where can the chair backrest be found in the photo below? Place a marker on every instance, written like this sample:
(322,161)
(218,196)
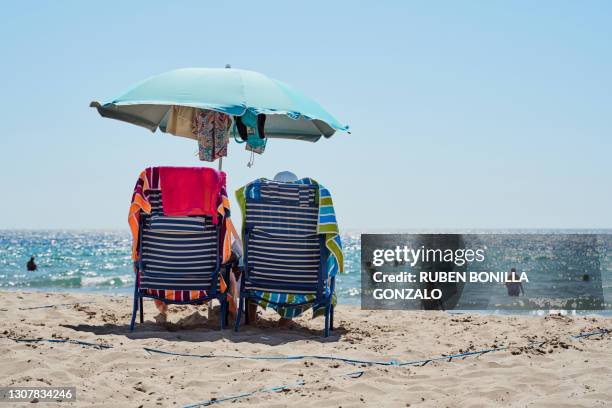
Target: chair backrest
(178,253)
(282,248)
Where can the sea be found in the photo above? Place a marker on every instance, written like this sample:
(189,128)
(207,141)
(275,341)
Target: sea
(98,261)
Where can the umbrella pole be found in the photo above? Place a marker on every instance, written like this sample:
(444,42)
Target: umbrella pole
(227,66)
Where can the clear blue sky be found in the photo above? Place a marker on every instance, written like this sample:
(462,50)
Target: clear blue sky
(467,114)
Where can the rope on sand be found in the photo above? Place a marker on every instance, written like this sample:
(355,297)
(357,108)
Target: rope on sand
(449,358)
(600,332)
(57,305)
(423,362)
(278,388)
(295,357)
(478,353)
(356,374)
(246,394)
(444,357)
(78,342)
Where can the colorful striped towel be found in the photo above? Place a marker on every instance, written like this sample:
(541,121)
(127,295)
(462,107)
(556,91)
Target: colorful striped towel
(327,225)
(146,191)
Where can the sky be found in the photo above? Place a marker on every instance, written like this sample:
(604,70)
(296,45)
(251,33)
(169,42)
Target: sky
(474,114)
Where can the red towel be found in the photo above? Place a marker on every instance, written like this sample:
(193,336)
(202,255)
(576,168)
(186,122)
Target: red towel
(191,190)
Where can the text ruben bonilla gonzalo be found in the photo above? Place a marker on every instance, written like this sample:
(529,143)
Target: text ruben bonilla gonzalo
(417,256)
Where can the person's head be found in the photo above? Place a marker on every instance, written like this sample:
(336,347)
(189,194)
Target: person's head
(32,258)
(285,177)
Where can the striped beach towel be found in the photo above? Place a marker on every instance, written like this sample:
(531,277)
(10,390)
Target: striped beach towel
(326,225)
(147,198)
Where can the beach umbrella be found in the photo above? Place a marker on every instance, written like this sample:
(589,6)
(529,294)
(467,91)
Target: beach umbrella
(290,114)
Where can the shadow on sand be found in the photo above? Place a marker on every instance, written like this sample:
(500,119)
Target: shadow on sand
(199,328)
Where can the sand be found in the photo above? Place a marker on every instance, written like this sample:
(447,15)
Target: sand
(558,372)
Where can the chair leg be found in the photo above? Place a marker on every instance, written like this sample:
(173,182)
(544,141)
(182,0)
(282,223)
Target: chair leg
(223,312)
(327,313)
(246,312)
(134,310)
(226,318)
(331,317)
(239,313)
(141,310)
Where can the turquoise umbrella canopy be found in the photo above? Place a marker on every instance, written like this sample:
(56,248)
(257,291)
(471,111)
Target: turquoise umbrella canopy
(290,113)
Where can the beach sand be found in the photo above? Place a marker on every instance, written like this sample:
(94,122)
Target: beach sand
(561,372)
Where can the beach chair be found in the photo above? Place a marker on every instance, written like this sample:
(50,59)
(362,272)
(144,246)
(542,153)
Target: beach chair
(284,256)
(177,259)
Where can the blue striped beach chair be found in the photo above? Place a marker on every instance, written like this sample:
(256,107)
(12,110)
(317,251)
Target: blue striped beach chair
(179,259)
(284,255)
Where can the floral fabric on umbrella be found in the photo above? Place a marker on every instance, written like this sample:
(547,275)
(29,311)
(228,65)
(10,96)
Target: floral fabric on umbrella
(211,129)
